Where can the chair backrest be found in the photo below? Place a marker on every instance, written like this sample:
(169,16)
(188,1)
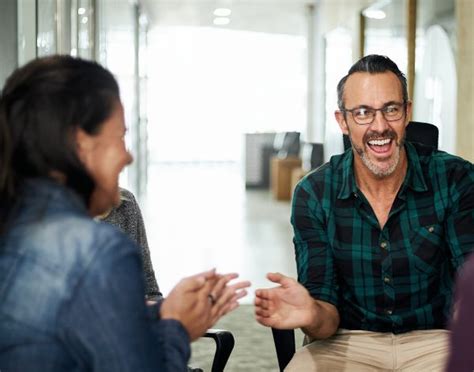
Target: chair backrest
(287,144)
(312,155)
(416,131)
(424,133)
(285,346)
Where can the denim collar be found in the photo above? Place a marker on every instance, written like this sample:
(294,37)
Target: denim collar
(38,193)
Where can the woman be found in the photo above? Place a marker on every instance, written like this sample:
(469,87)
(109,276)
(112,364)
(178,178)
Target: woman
(71,289)
(127,216)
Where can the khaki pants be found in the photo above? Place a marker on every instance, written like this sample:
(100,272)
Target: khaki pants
(363,351)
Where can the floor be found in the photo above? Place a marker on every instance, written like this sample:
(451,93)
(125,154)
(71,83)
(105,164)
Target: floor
(253,351)
(200,216)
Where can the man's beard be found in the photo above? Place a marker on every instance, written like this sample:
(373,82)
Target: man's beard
(377,171)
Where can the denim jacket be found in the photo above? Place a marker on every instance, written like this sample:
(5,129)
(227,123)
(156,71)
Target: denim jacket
(72,295)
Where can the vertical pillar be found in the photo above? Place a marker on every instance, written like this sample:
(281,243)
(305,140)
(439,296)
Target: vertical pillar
(27,30)
(8,39)
(361,35)
(411,37)
(465,70)
(308,136)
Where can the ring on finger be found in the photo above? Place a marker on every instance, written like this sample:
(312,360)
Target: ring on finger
(211,298)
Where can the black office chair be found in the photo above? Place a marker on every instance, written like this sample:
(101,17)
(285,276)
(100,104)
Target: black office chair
(286,144)
(312,155)
(284,339)
(224,345)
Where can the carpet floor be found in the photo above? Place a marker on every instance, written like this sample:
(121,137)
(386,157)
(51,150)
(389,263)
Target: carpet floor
(253,351)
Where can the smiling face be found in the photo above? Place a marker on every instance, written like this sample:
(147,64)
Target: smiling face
(379,145)
(104,155)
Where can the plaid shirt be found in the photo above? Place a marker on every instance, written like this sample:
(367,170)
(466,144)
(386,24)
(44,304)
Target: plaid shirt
(395,279)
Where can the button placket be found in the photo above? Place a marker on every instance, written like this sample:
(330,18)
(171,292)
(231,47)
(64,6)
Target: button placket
(386,274)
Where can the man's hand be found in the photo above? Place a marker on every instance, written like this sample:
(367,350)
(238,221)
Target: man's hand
(200,300)
(290,306)
(287,306)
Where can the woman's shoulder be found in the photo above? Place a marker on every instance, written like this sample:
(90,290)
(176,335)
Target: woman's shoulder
(69,239)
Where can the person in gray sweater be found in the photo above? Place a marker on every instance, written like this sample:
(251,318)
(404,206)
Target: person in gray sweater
(128,218)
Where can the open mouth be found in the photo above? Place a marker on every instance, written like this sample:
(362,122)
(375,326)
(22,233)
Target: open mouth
(380,146)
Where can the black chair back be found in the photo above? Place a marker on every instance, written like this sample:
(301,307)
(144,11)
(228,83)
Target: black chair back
(287,144)
(424,133)
(312,155)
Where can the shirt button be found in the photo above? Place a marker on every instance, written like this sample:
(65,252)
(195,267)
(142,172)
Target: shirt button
(356,195)
(386,279)
(388,312)
(383,245)
(431,229)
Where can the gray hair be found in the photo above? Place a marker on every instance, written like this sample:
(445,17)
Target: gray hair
(372,64)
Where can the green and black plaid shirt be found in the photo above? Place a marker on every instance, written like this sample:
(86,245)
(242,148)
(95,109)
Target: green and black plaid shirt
(394,279)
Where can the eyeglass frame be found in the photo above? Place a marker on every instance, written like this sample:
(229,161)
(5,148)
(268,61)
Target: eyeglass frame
(401,104)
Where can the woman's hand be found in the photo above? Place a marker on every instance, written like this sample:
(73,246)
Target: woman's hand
(199,301)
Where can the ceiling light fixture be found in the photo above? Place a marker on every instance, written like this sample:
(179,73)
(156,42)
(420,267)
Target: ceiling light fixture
(221,21)
(374,13)
(222,12)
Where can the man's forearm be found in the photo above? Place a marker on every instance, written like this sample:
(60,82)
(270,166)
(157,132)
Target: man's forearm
(325,321)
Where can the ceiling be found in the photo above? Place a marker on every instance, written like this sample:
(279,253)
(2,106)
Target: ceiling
(270,16)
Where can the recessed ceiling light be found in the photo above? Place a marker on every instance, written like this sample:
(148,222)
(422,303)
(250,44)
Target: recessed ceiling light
(374,13)
(81,11)
(222,12)
(221,21)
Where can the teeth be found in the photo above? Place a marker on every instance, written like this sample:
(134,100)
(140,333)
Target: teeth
(379,142)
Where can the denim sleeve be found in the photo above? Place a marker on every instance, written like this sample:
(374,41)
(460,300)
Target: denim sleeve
(106,325)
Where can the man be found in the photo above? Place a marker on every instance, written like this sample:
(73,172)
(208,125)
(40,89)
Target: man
(379,233)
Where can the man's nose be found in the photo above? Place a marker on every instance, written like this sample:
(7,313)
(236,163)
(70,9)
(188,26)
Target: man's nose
(379,124)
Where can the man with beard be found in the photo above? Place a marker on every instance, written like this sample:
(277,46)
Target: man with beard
(379,233)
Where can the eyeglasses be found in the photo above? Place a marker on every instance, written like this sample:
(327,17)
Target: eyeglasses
(366,115)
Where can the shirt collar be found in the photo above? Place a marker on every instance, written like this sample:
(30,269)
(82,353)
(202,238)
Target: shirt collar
(413,179)
(348,181)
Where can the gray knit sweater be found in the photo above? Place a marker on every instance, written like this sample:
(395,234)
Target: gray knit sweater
(128,217)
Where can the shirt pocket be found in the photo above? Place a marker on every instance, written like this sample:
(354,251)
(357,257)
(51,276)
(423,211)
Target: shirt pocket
(427,248)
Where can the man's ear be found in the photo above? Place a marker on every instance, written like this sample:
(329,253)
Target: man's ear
(341,120)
